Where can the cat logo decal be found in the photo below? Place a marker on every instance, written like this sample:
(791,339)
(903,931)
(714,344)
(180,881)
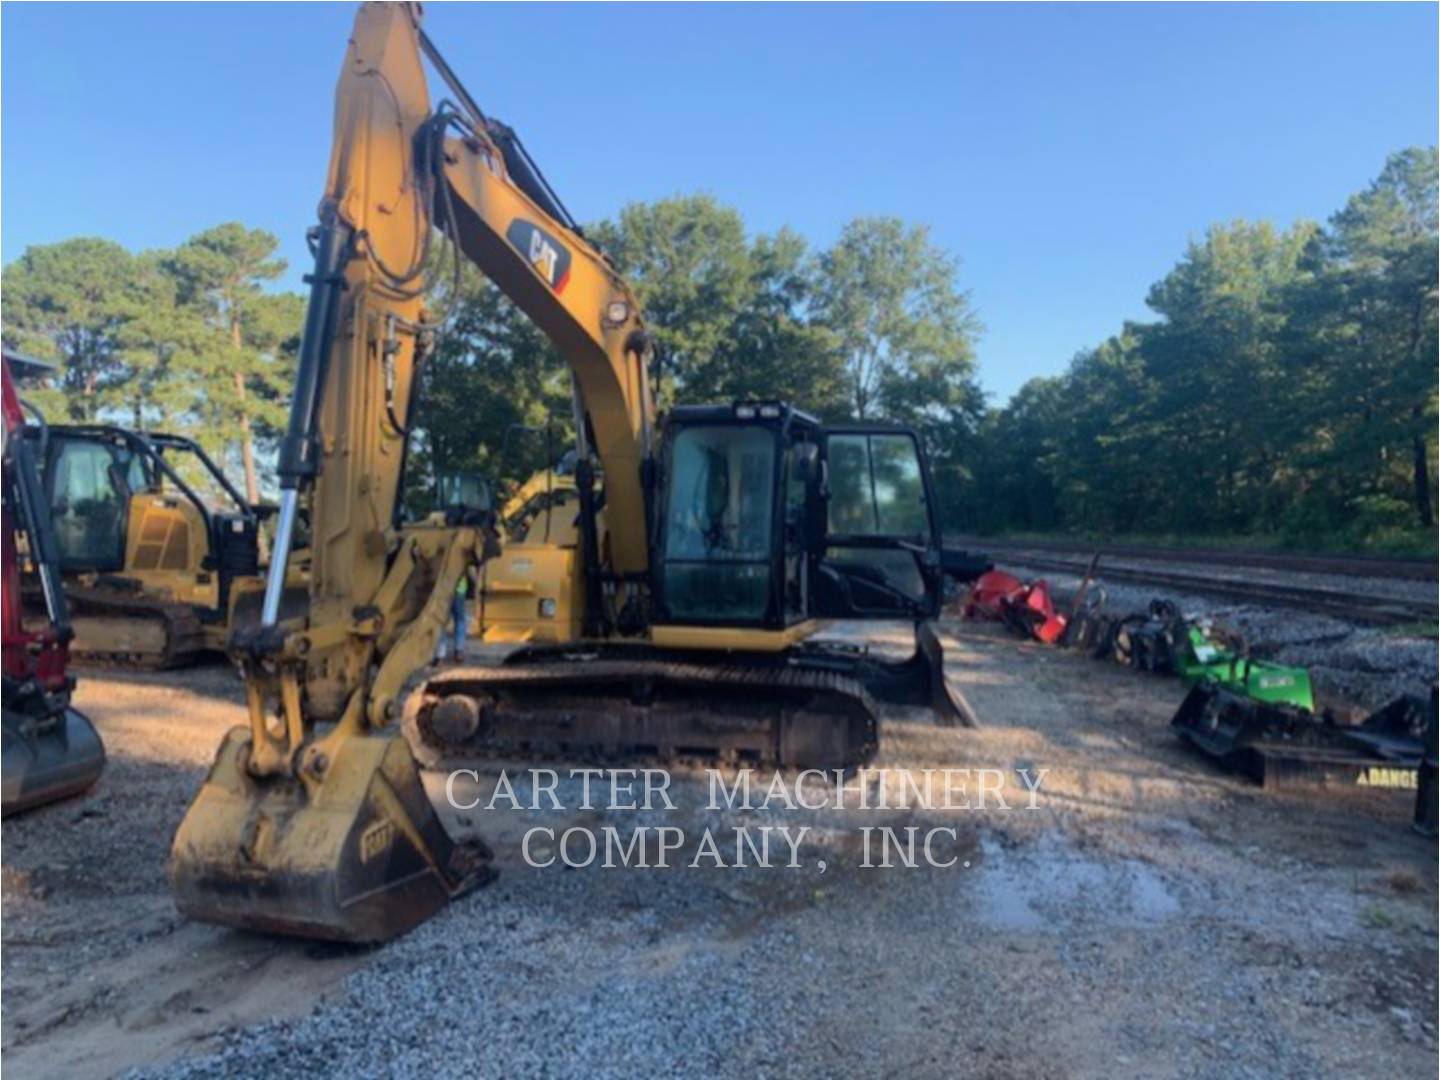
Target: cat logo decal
(547,255)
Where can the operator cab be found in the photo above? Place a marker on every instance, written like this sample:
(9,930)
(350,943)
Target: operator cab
(128,503)
(766,517)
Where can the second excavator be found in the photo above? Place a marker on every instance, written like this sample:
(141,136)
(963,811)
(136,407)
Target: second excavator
(731,532)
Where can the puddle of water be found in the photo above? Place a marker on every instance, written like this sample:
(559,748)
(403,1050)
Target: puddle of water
(1048,886)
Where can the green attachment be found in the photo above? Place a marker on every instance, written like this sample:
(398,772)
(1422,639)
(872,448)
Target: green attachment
(1205,659)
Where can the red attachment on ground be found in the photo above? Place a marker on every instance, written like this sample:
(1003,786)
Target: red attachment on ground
(997,595)
(990,593)
(1040,614)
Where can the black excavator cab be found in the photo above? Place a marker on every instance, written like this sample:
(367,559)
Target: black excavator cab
(766,518)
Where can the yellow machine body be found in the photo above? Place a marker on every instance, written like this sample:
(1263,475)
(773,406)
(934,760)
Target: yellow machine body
(157,570)
(533,591)
(165,546)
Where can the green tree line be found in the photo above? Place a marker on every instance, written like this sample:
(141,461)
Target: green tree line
(186,339)
(1287,385)
(1286,390)
(876,326)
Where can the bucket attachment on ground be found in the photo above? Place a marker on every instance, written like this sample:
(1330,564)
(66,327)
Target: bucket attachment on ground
(355,853)
(48,757)
(1277,744)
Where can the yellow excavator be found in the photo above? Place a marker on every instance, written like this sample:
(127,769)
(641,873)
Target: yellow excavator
(731,532)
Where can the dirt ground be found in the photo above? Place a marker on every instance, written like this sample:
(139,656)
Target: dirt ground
(1151,918)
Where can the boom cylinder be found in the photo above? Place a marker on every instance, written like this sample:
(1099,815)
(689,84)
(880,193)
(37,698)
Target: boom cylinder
(298,463)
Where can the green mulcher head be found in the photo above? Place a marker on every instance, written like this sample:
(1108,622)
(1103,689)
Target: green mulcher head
(1200,651)
(1203,659)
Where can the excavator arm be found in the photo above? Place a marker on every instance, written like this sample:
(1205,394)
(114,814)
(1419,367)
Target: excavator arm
(313,820)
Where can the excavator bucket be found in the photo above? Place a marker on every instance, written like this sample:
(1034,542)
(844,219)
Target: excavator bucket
(47,758)
(356,855)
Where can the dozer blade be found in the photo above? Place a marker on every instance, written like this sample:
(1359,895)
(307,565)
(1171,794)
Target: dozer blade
(356,855)
(949,705)
(47,759)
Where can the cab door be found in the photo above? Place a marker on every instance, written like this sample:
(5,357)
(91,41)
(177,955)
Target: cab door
(880,554)
(89,483)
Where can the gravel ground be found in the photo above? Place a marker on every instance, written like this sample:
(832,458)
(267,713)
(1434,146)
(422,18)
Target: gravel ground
(1356,669)
(1150,918)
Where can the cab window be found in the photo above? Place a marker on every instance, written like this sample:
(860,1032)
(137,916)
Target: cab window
(718,523)
(877,523)
(88,502)
(875,487)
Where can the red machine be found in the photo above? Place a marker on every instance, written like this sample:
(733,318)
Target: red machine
(50,751)
(1005,598)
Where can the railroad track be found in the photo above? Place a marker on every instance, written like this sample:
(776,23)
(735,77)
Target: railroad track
(1371,566)
(1356,607)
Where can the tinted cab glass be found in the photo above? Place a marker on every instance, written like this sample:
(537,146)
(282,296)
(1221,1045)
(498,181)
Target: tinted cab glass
(719,519)
(881,543)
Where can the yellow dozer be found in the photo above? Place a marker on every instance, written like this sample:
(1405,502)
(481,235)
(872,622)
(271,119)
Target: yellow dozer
(158,551)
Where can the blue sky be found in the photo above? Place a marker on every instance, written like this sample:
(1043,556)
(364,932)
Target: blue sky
(1065,153)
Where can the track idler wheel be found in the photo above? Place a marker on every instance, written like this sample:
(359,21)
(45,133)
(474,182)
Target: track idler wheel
(352,852)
